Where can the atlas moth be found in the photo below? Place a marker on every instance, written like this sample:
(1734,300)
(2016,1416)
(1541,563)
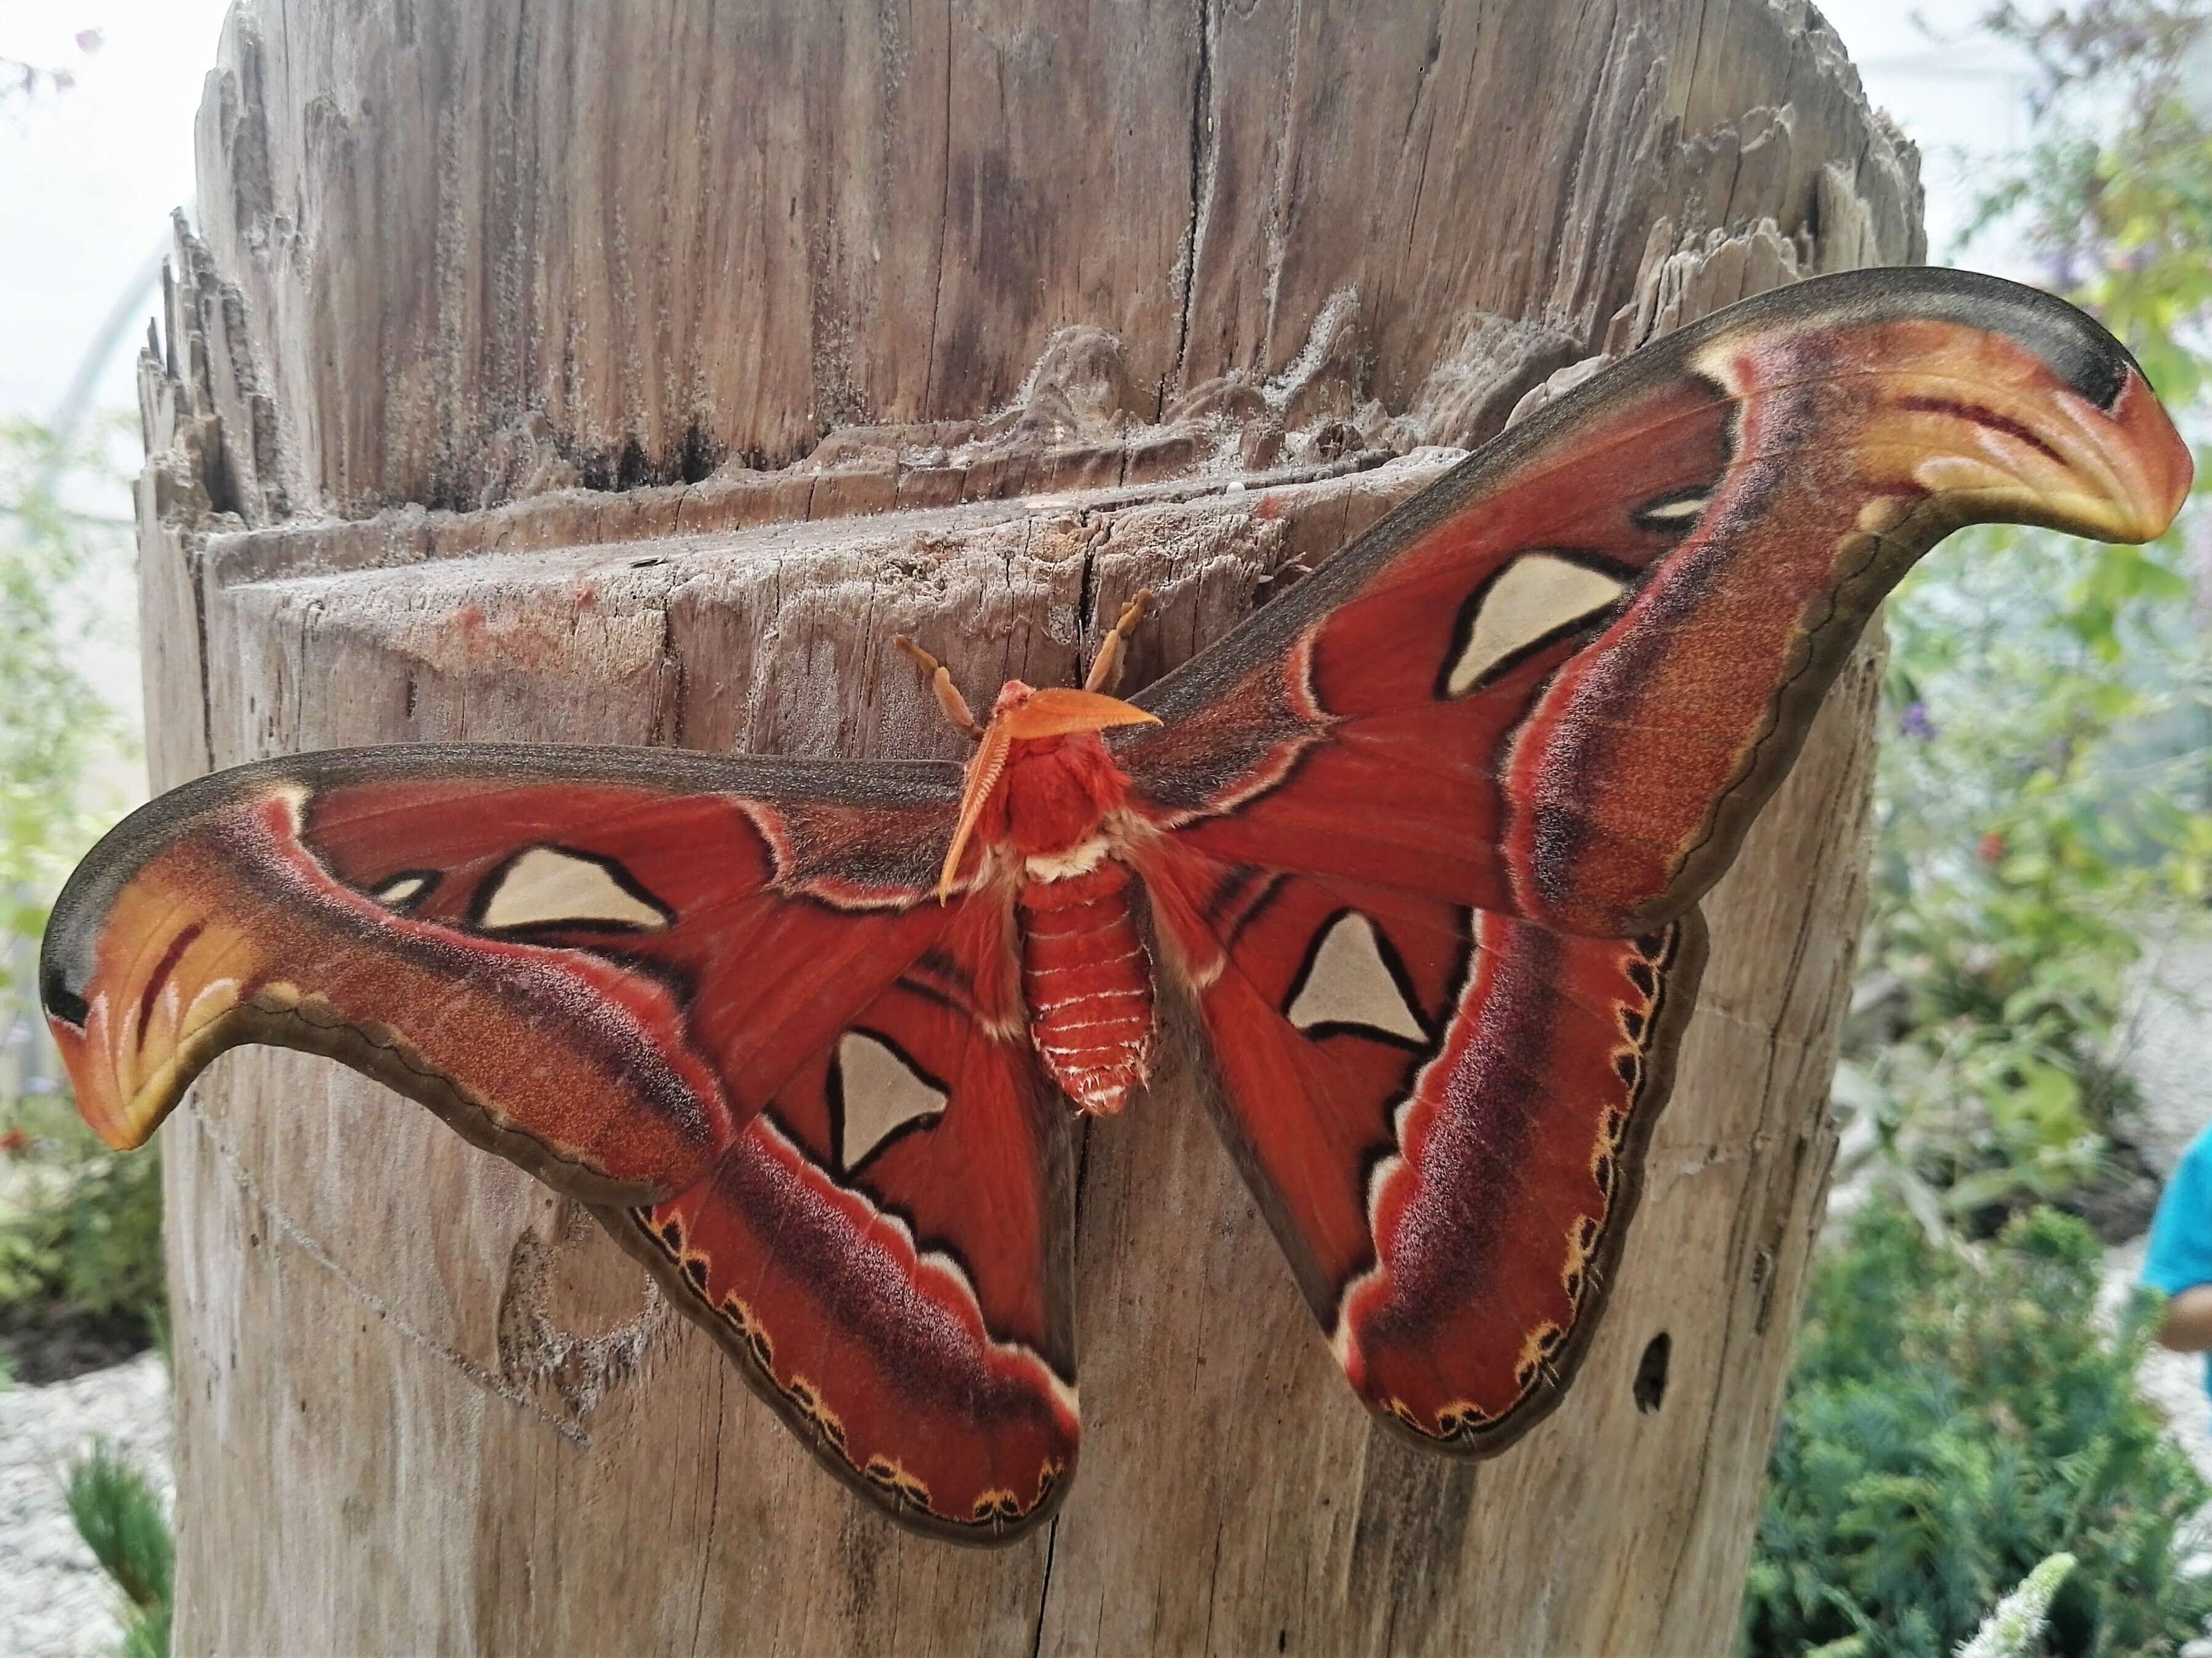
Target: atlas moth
(1419,846)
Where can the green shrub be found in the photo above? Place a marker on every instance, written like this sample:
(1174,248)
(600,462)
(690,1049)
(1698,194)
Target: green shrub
(79,1229)
(79,1226)
(1956,1416)
(2026,847)
(120,1517)
(59,741)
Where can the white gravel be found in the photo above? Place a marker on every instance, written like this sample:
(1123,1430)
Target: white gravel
(55,1601)
(2165,1043)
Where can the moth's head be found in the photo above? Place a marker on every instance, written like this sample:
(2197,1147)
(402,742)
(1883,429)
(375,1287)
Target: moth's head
(1025,715)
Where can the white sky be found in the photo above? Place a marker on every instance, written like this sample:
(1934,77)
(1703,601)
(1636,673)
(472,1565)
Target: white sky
(88,178)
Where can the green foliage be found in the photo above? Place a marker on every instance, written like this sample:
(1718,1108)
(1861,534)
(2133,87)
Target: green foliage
(80,1225)
(2114,193)
(1955,1417)
(2041,810)
(147,1636)
(120,1517)
(56,730)
(79,1228)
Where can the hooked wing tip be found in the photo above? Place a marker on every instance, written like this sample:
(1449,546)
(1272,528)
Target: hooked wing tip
(2165,469)
(133,1036)
(2009,404)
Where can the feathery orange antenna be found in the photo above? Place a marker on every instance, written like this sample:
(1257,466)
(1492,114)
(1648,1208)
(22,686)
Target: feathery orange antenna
(983,768)
(1106,667)
(948,694)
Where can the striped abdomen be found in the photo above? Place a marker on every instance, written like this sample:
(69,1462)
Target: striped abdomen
(1088,984)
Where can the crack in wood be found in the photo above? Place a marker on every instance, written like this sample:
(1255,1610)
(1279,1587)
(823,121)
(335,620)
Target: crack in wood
(309,1246)
(1202,155)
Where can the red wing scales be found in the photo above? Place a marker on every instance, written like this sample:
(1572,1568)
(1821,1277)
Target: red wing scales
(1443,1112)
(721,991)
(1426,836)
(885,1251)
(1421,845)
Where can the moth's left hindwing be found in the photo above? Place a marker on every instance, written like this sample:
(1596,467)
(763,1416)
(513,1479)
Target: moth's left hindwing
(857,1250)
(716,999)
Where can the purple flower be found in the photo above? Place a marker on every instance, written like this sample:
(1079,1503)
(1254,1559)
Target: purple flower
(1915,722)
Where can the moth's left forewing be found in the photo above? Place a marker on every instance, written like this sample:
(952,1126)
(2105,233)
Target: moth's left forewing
(723,991)
(1427,832)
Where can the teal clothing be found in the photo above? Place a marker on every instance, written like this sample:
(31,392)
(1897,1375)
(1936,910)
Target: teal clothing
(2180,1253)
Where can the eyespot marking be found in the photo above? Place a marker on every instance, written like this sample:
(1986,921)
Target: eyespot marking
(877,1090)
(1347,983)
(1533,601)
(1668,514)
(552,887)
(398,891)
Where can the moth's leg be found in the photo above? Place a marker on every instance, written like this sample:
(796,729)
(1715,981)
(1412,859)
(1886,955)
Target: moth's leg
(948,694)
(1106,666)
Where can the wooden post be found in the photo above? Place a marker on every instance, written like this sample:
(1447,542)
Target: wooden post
(629,374)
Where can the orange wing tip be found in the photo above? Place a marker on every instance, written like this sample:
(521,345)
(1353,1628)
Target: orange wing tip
(2120,476)
(124,1107)
(2002,409)
(2164,469)
(161,999)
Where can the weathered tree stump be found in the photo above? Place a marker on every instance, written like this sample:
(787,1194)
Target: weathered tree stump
(631,374)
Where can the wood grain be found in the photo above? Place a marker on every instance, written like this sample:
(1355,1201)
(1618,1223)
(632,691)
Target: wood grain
(595,374)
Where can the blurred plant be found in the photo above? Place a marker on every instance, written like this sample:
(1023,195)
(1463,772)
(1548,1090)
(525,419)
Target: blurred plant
(2039,808)
(1956,1416)
(122,1520)
(80,1230)
(56,730)
(2042,803)
(2113,195)
(2014,1628)
(79,1226)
